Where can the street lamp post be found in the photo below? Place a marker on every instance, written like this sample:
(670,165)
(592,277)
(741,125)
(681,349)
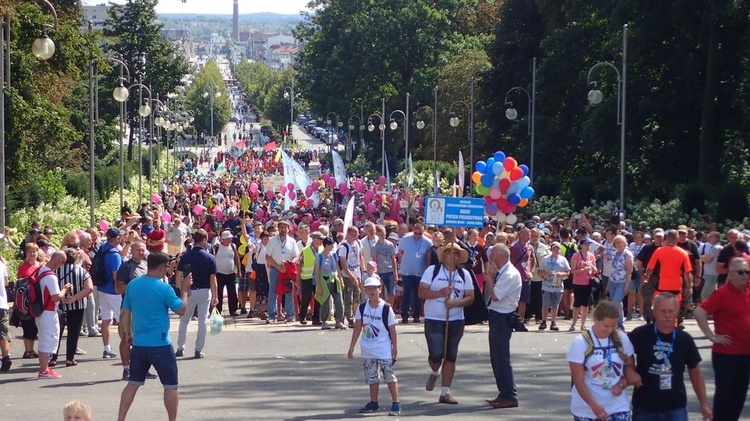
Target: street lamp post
(351,127)
(330,124)
(420,126)
(381,127)
(595,97)
(512,114)
(121,95)
(394,126)
(43,48)
(455,121)
(289,94)
(213,95)
(92,139)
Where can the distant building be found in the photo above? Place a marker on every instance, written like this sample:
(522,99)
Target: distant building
(281,56)
(256,44)
(97,14)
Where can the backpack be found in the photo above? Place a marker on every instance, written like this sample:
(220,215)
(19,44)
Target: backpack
(97,270)
(587,354)
(30,301)
(570,250)
(386,307)
(475,312)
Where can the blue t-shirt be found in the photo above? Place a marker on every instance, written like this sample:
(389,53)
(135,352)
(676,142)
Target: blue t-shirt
(149,300)
(112,263)
(414,259)
(202,266)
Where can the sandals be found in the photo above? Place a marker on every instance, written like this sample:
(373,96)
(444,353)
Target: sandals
(30,354)
(70,363)
(79,351)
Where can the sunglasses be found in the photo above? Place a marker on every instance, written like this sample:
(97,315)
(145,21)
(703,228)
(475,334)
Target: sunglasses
(742,272)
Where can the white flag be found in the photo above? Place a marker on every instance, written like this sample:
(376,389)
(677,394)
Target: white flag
(339,170)
(349,215)
(460,174)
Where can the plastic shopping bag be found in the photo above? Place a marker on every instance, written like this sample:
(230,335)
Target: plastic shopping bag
(216,321)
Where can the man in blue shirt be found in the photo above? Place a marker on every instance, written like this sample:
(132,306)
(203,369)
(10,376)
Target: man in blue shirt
(109,300)
(413,250)
(148,314)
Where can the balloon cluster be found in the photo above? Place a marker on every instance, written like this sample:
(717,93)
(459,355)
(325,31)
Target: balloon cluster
(504,184)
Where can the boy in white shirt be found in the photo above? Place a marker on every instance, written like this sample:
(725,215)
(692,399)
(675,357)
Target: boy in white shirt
(379,348)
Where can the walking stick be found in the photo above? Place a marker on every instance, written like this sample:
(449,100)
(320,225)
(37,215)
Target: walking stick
(447,314)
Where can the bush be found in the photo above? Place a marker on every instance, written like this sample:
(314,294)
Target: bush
(732,203)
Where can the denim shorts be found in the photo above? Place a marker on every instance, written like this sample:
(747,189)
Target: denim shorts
(434,332)
(387,279)
(163,360)
(551,299)
(525,292)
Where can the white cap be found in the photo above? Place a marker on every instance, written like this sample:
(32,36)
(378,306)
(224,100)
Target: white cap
(372,282)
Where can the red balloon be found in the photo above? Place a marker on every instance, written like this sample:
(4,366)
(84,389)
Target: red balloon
(516,174)
(488,200)
(509,164)
(502,203)
(504,184)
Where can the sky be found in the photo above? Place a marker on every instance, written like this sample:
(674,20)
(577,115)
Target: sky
(209,7)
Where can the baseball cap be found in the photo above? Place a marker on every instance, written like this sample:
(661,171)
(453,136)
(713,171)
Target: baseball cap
(373,264)
(554,244)
(42,242)
(34,231)
(372,282)
(114,232)
(283,222)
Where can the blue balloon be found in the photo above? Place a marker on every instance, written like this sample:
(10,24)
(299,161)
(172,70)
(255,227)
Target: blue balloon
(487,179)
(525,169)
(499,156)
(523,182)
(526,193)
(497,168)
(513,188)
(514,199)
(481,166)
(490,163)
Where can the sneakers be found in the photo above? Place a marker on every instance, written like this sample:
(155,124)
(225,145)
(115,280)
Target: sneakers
(126,374)
(49,374)
(150,375)
(341,326)
(325,326)
(94,333)
(303,322)
(395,409)
(543,325)
(431,381)
(572,328)
(630,317)
(198,354)
(370,407)
(6,364)
(109,354)
(447,398)
(179,353)
(553,326)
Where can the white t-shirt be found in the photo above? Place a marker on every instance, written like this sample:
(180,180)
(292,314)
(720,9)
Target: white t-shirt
(368,248)
(279,252)
(598,374)
(49,282)
(3,296)
(351,253)
(375,342)
(607,257)
(550,264)
(708,249)
(225,259)
(434,308)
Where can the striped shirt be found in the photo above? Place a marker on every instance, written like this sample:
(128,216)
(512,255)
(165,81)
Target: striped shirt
(76,276)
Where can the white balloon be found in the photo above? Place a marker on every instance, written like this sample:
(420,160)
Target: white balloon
(511,219)
(500,217)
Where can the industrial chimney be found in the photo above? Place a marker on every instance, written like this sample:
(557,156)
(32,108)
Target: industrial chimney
(236,22)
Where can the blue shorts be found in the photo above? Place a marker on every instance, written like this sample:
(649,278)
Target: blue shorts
(163,360)
(635,283)
(434,332)
(387,279)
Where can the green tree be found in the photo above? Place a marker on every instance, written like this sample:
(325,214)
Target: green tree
(209,80)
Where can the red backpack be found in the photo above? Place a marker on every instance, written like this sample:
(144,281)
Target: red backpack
(30,300)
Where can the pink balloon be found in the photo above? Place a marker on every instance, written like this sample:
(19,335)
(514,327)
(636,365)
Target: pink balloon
(331,182)
(282,189)
(155,198)
(309,191)
(381,180)
(290,186)
(315,185)
(344,190)
(371,207)
(269,194)
(198,210)
(359,186)
(495,193)
(166,217)
(259,213)
(342,185)
(219,213)
(254,187)
(292,195)
(103,225)
(369,195)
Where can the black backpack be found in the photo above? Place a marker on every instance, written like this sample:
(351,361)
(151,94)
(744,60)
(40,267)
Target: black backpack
(97,270)
(386,307)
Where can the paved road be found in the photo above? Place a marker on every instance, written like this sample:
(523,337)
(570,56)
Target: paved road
(254,371)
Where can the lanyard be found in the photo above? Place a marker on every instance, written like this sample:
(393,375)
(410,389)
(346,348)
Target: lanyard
(661,345)
(606,351)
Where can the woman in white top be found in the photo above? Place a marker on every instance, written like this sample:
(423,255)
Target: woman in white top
(601,367)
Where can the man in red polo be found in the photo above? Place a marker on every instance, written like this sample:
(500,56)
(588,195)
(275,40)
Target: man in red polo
(730,354)
(675,267)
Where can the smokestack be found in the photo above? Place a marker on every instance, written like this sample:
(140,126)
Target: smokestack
(236,22)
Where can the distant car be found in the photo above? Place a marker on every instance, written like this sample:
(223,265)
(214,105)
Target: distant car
(311,128)
(302,120)
(320,132)
(234,119)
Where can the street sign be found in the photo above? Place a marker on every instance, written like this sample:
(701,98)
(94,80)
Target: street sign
(454,211)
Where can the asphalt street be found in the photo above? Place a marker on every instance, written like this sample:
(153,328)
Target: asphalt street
(254,371)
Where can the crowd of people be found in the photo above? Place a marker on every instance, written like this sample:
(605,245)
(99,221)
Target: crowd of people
(215,237)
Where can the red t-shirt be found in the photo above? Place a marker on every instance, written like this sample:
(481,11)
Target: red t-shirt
(731,310)
(673,263)
(25,269)
(157,234)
